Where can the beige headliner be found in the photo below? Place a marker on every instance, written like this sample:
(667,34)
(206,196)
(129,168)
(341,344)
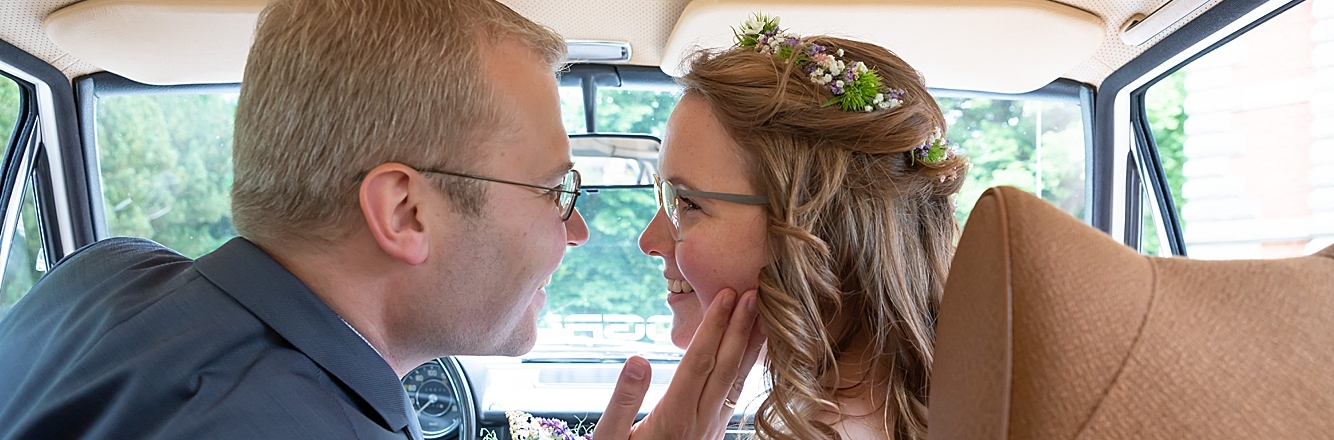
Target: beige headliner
(647,24)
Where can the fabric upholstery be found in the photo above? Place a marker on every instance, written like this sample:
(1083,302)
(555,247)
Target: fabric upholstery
(1051,329)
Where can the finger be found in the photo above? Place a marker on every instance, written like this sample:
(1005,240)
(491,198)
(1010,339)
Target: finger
(731,351)
(626,399)
(752,355)
(701,356)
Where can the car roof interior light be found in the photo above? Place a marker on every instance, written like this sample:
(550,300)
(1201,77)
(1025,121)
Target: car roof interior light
(1140,29)
(594,51)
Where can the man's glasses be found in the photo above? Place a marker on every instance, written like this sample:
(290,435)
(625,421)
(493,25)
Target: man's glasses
(669,199)
(567,191)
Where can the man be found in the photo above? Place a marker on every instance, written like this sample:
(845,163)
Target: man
(402,180)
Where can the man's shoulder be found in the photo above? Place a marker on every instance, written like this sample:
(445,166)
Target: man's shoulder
(283,394)
(255,390)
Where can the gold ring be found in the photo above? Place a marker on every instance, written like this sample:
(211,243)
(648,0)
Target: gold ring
(729,403)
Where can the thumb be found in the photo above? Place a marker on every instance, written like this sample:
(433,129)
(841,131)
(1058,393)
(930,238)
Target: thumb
(631,387)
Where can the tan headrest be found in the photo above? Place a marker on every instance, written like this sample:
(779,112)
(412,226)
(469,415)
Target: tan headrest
(1051,329)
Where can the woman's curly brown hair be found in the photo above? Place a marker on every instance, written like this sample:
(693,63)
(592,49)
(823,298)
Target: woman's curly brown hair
(857,229)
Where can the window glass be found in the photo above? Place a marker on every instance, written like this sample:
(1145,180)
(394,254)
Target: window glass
(167,168)
(9,108)
(572,110)
(619,110)
(27,263)
(1246,134)
(635,111)
(1035,145)
(607,292)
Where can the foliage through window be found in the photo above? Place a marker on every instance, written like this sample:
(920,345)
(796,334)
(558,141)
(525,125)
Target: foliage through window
(167,168)
(26,263)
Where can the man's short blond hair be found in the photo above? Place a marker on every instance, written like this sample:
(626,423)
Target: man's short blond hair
(334,88)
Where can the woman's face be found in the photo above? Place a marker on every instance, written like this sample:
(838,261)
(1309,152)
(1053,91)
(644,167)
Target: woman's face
(721,244)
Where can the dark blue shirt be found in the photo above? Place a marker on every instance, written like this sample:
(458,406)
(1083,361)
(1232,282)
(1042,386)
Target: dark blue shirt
(126,339)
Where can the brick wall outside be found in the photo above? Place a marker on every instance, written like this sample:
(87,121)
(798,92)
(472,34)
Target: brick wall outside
(1260,141)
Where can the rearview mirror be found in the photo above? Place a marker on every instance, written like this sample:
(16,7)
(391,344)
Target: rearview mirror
(615,159)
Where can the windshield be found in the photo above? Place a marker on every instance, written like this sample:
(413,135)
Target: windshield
(166,176)
(608,299)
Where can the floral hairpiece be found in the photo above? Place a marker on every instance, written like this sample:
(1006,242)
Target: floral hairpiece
(855,86)
(936,149)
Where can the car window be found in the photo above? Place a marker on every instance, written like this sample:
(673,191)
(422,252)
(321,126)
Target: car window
(607,290)
(1035,145)
(572,110)
(166,163)
(166,175)
(26,263)
(1246,137)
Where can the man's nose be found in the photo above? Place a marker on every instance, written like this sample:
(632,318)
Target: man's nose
(576,230)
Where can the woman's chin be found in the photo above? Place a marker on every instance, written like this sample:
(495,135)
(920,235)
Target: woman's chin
(683,331)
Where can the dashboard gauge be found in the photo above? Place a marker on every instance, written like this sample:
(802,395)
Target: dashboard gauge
(439,398)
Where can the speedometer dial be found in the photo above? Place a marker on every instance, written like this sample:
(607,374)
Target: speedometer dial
(434,399)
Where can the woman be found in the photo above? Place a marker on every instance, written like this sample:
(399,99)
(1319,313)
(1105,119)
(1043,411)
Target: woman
(813,169)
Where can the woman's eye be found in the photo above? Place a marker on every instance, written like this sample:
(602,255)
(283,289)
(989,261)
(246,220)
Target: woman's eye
(685,204)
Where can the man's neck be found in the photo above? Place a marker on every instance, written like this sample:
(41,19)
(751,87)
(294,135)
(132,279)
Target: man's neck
(339,277)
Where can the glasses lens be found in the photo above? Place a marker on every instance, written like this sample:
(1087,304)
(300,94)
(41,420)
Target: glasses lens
(669,203)
(666,195)
(570,187)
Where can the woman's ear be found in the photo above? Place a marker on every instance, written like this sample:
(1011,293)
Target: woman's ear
(393,205)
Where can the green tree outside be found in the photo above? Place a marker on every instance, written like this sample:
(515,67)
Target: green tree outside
(166,168)
(1000,138)
(166,174)
(24,267)
(1164,106)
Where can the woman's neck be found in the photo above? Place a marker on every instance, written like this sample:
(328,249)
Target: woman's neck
(862,385)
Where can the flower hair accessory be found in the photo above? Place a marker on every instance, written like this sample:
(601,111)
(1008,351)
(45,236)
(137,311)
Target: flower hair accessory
(936,149)
(856,88)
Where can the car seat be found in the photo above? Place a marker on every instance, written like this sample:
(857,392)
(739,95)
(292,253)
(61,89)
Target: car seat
(1051,329)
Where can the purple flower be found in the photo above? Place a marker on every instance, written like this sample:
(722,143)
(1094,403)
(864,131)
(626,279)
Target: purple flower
(836,89)
(792,42)
(814,49)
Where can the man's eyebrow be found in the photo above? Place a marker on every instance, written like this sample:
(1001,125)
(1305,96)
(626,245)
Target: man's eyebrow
(558,172)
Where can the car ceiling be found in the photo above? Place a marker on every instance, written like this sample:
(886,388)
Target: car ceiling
(646,24)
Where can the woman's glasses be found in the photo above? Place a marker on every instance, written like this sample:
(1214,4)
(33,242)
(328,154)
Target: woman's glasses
(567,191)
(669,199)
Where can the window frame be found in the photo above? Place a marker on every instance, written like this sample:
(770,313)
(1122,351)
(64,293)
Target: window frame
(48,152)
(1124,141)
(105,84)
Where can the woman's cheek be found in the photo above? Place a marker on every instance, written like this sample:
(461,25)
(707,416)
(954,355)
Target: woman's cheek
(698,268)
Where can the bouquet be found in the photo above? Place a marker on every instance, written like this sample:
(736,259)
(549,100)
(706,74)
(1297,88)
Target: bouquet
(524,426)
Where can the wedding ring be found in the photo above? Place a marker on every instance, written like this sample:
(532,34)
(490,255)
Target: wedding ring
(729,403)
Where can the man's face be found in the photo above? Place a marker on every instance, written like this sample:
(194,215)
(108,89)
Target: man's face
(497,267)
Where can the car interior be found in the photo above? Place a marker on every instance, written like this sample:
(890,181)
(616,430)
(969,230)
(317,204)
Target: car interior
(1156,262)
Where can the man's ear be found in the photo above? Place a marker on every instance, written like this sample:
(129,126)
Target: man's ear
(392,202)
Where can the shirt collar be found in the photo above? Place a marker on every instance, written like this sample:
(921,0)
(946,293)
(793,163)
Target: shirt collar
(285,304)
